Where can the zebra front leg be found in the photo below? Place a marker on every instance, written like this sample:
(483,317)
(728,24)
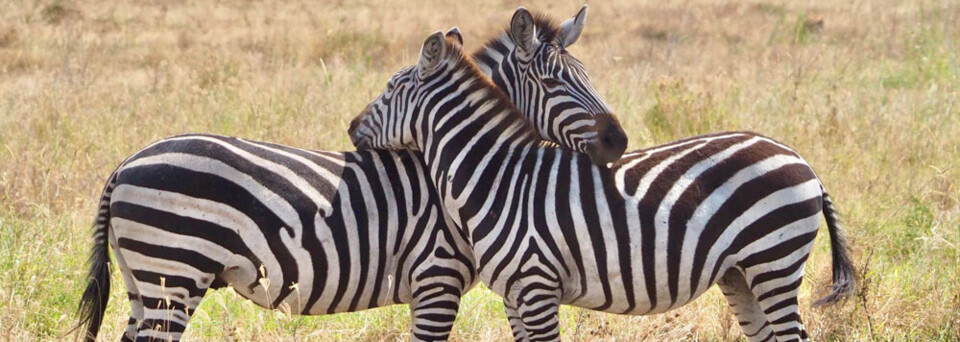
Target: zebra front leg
(516,325)
(538,308)
(434,309)
(744,304)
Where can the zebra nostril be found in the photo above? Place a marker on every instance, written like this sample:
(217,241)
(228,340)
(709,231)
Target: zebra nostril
(615,138)
(353,125)
(611,141)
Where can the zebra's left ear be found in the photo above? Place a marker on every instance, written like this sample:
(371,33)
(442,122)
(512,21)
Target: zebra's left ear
(571,28)
(523,30)
(454,33)
(432,53)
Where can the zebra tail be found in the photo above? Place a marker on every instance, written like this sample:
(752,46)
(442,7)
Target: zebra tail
(844,275)
(95,297)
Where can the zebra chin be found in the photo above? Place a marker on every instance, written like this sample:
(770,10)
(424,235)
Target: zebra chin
(611,141)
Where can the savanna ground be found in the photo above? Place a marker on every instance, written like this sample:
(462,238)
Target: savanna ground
(867,91)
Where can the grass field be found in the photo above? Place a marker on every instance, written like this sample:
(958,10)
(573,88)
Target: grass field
(867,91)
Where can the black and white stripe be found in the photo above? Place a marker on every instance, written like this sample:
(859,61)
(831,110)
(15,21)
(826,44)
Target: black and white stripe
(530,63)
(646,235)
(309,231)
(306,231)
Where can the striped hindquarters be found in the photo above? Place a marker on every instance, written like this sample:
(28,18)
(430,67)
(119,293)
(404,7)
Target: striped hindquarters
(713,202)
(306,231)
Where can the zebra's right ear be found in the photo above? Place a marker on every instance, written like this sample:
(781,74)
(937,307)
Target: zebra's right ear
(454,33)
(432,53)
(523,31)
(571,28)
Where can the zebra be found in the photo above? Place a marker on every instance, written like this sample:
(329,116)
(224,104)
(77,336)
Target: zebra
(646,234)
(288,228)
(298,230)
(529,62)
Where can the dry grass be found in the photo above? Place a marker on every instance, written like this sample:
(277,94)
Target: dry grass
(867,91)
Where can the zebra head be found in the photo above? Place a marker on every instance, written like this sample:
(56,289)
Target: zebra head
(550,86)
(391,121)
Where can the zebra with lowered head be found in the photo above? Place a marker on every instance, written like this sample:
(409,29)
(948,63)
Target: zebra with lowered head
(311,232)
(647,234)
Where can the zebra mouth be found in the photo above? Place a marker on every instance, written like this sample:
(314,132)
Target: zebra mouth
(359,143)
(354,130)
(612,141)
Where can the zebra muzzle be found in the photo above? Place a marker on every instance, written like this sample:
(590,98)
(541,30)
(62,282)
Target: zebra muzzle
(611,141)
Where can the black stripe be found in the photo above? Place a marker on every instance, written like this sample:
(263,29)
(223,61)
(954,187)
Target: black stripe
(767,224)
(170,281)
(225,237)
(587,195)
(741,200)
(185,256)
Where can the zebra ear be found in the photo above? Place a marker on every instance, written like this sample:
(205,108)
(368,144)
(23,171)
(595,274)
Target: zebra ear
(571,28)
(454,33)
(522,30)
(432,53)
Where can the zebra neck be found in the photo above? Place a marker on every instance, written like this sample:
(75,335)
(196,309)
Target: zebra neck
(483,128)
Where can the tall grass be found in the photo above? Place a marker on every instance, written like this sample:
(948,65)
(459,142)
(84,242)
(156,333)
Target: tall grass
(869,96)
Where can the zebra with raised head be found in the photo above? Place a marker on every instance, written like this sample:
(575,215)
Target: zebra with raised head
(648,234)
(311,232)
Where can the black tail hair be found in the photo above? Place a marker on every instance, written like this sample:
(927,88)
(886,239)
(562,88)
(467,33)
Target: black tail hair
(844,275)
(95,297)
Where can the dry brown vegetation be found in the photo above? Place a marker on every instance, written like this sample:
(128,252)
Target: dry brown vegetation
(867,91)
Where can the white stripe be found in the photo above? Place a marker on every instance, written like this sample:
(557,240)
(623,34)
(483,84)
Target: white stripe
(593,294)
(270,199)
(669,201)
(323,200)
(659,230)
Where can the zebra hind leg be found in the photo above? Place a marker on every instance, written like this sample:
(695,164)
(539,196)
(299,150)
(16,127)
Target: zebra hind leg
(744,304)
(168,302)
(516,325)
(136,305)
(776,292)
(539,309)
(434,309)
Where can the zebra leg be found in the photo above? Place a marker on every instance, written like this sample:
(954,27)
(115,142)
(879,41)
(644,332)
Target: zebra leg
(539,308)
(434,309)
(744,304)
(169,292)
(777,298)
(515,324)
(136,305)
(167,311)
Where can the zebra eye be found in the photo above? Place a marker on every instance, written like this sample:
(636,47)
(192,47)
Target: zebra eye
(552,82)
